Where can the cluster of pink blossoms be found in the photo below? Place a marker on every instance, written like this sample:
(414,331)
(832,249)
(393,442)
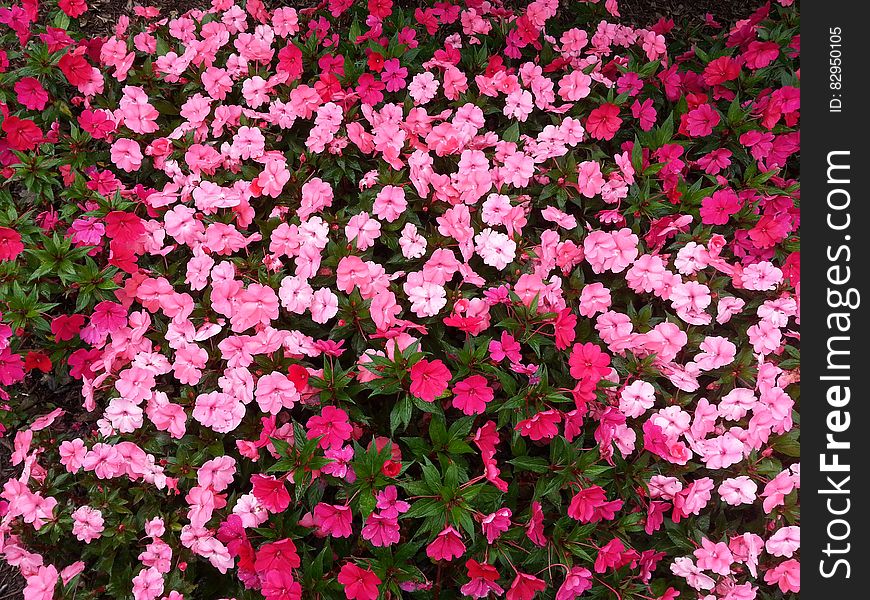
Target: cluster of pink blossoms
(446,288)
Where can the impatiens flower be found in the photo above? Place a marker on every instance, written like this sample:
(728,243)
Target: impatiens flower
(472,395)
(700,121)
(277,556)
(271,493)
(587,361)
(279,585)
(126,155)
(525,587)
(381,530)
(41,583)
(30,93)
(482,580)
(446,546)
(258,241)
(429,379)
(358,583)
(148,584)
(496,249)
(715,557)
(496,523)
(274,392)
(603,122)
(21,134)
(334,520)
(541,426)
(785,542)
(609,555)
(331,426)
(10,244)
(577,581)
(786,575)
(87,524)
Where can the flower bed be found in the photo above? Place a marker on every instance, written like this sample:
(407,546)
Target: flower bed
(365,301)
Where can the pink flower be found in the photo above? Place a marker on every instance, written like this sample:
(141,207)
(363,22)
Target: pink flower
(331,426)
(577,581)
(609,555)
(785,542)
(274,392)
(30,93)
(525,587)
(714,557)
(72,454)
(87,524)
(541,426)
(324,305)
(482,582)
(645,113)
(589,178)
(610,251)
(495,524)
(148,584)
(277,556)
(574,86)
(594,298)
(472,395)
(508,348)
(359,584)
(390,203)
(787,575)
(381,530)
(334,520)
(717,208)
(280,585)
(446,546)
(40,585)
(700,121)
(394,75)
(389,504)
(429,379)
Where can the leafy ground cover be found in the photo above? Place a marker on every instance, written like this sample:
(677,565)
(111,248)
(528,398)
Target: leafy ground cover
(365,300)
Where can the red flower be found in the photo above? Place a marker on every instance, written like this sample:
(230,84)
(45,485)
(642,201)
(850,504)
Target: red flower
(37,360)
(429,379)
(721,70)
(376,61)
(66,327)
(74,67)
(22,134)
(73,8)
(124,227)
(10,243)
(604,122)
